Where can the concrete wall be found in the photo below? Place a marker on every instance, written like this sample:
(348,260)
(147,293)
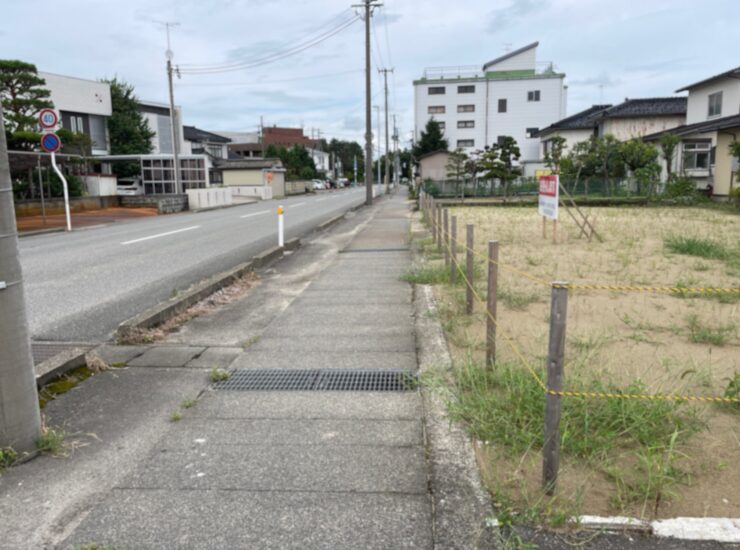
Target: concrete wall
(243,177)
(697,109)
(297,187)
(56,205)
(78,95)
(434,167)
(213,197)
(263,192)
(100,185)
(525,60)
(165,204)
(724,175)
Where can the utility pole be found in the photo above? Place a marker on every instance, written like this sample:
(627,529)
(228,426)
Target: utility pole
(367,6)
(173,115)
(387,145)
(396,158)
(20,419)
(380,158)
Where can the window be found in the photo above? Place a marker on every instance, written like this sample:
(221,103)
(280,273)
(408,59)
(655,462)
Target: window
(533,95)
(466,108)
(97,132)
(696,155)
(436,109)
(466,143)
(436,90)
(76,125)
(441,127)
(500,140)
(501,105)
(715,104)
(532,131)
(466,124)
(470,89)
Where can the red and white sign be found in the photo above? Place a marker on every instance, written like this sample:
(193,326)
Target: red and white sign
(48,119)
(549,196)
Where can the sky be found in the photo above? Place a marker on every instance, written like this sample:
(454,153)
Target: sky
(608,49)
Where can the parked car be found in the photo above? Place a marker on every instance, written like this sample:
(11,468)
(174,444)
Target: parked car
(318,185)
(130,186)
(343,182)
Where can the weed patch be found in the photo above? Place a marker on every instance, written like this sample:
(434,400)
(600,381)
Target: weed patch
(219,375)
(51,441)
(703,333)
(695,246)
(7,458)
(428,275)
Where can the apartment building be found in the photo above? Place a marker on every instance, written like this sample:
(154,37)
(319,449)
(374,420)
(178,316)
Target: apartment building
(511,95)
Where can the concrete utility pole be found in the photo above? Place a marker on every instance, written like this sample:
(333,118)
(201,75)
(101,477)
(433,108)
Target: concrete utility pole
(396,157)
(387,145)
(367,6)
(173,114)
(377,118)
(20,419)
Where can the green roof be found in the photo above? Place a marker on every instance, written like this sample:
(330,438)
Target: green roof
(495,75)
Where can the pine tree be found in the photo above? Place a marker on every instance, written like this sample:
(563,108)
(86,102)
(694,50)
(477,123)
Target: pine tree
(431,139)
(23,96)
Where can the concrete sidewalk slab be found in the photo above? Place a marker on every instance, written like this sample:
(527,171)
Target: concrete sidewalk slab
(321,360)
(216,358)
(204,433)
(293,467)
(313,405)
(334,343)
(204,520)
(166,356)
(113,354)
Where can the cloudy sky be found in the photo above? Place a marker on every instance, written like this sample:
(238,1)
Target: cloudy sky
(609,50)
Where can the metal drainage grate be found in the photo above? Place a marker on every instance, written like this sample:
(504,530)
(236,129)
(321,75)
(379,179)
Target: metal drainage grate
(319,380)
(43,351)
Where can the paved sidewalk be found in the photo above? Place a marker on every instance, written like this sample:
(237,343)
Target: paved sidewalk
(293,469)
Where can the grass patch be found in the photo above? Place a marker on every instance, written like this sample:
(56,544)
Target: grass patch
(219,375)
(513,299)
(732,391)
(428,275)
(695,246)
(7,458)
(176,416)
(703,333)
(188,403)
(51,441)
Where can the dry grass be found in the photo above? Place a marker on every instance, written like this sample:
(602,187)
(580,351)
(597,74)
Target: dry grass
(686,344)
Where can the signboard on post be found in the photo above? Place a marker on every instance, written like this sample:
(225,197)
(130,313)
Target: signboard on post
(48,119)
(549,196)
(50,143)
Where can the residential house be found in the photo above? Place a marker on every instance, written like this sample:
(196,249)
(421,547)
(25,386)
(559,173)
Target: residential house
(575,128)
(82,106)
(213,146)
(321,159)
(639,117)
(254,145)
(511,95)
(712,124)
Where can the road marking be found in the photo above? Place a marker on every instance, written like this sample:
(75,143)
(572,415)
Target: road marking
(161,235)
(297,204)
(321,199)
(256,214)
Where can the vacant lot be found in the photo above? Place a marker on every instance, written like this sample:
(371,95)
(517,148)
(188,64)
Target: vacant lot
(645,458)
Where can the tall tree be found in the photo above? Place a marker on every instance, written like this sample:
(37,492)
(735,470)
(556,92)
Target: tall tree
(498,162)
(23,95)
(456,169)
(668,143)
(641,159)
(554,155)
(431,139)
(128,129)
(346,151)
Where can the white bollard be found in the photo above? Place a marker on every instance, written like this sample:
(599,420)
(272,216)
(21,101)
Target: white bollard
(281,227)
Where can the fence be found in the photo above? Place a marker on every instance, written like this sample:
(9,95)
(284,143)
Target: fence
(444,231)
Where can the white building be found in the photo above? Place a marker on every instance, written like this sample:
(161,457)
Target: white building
(509,96)
(157,116)
(82,106)
(321,159)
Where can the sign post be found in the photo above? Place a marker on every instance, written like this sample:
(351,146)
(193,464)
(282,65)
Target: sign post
(548,203)
(51,143)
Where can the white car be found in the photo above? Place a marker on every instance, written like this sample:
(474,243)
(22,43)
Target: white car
(318,185)
(130,186)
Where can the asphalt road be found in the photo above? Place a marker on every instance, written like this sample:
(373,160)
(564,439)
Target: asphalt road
(80,286)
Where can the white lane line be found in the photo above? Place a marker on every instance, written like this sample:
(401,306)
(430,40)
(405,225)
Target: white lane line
(321,199)
(256,214)
(161,235)
(297,204)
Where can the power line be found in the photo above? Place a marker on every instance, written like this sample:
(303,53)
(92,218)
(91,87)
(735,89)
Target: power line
(282,81)
(271,58)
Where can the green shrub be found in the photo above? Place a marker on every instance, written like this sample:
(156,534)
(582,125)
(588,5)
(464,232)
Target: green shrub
(681,187)
(695,246)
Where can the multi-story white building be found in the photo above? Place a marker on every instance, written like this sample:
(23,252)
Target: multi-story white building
(509,96)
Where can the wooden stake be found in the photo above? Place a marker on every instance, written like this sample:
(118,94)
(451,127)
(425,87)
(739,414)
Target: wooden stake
(491,302)
(469,271)
(544,227)
(554,231)
(446,239)
(453,248)
(439,228)
(555,353)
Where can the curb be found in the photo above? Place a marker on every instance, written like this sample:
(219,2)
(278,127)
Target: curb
(724,530)
(462,510)
(22,234)
(328,223)
(267,256)
(60,364)
(163,311)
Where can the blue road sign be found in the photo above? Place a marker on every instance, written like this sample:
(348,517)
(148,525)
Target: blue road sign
(50,143)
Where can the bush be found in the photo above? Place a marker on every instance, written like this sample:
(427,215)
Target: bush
(735,197)
(431,188)
(681,187)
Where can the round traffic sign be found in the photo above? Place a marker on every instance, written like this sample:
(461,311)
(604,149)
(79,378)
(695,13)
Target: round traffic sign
(48,118)
(50,143)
